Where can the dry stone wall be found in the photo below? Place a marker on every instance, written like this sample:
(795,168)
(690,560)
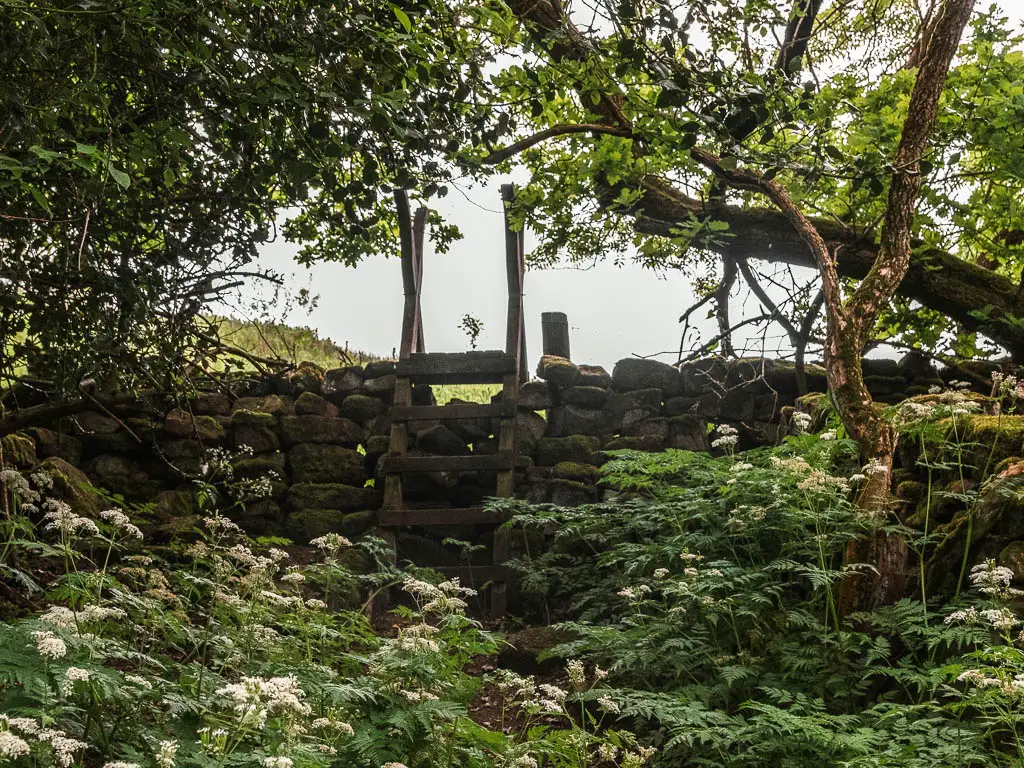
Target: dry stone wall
(322,435)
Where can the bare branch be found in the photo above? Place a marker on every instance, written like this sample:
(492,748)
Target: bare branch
(550,133)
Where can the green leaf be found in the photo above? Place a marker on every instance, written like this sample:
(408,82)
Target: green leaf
(122,178)
(40,198)
(403,18)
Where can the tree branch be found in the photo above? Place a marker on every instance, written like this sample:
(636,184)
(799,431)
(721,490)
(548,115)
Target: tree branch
(549,133)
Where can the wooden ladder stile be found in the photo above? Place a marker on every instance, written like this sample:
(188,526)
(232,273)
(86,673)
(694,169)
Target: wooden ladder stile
(417,367)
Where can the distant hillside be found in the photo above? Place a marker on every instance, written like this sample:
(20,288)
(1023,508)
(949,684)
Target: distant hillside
(285,342)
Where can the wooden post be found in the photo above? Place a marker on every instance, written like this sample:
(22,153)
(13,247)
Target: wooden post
(554,328)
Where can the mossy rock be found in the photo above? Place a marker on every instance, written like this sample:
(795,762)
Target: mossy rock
(320,463)
(307,377)
(247,418)
(362,408)
(559,371)
(357,560)
(573,470)
(634,373)
(183,424)
(355,524)
(1012,557)
(19,451)
(648,443)
(311,403)
(260,465)
(304,525)
(555,450)
(272,404)
(911,491)
(50,443)
(331,496)
(72,486)
(169,505)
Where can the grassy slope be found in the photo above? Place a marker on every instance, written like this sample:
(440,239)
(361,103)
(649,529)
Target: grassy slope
(296,345)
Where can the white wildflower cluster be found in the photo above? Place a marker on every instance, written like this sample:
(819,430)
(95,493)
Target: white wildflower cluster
(661,573)
(443,599)
(1001,619)
(1004,385)
(966,616)
(59,517)
(875,467)
(218,525)
(796,465)
(121,764)
(19,734)
(254,698)
(519,761)
(690,557)
(73,675)
(255,488)
(1010,686)
(218,461)
(636,593)
(639,758)
(331,544)
(14,482)
(64,618)
(49,645)
(277,762)
(822,482)
(608,705)
(417,639)
(576,673)
(828,435)
(992,579)
(121,523)
(166,754)
(800,422)
(741,466)
(728,436)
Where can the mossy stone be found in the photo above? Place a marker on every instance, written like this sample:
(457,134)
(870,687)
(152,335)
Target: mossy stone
(559,371)
(355,524)
(72,486)
(362,408)
(261,464)
(320,463)
(183,424)
(1012,557)
(51,443)
(247,418)
(331,496)
(19,451)
(555,450)
(357,560)
(311,403)
(911,491)
(573,470)
(304,525)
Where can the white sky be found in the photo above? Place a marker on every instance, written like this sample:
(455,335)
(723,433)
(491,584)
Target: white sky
(614,312)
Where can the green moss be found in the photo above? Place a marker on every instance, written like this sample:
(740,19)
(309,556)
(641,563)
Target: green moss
(573,470)
(306,524)
(19,451)
(555,450)
(247,418)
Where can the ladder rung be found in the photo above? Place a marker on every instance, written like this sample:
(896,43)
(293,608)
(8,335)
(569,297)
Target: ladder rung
(489,367)
(442,516)
(499,461)
(453,411)
(475,575)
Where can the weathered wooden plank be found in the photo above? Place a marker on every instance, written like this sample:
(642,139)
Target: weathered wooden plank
(496,461)
(442,516)
(457,367)
(454,411)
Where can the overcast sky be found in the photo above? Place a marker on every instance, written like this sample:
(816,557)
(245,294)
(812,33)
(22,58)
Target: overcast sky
(614,312)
